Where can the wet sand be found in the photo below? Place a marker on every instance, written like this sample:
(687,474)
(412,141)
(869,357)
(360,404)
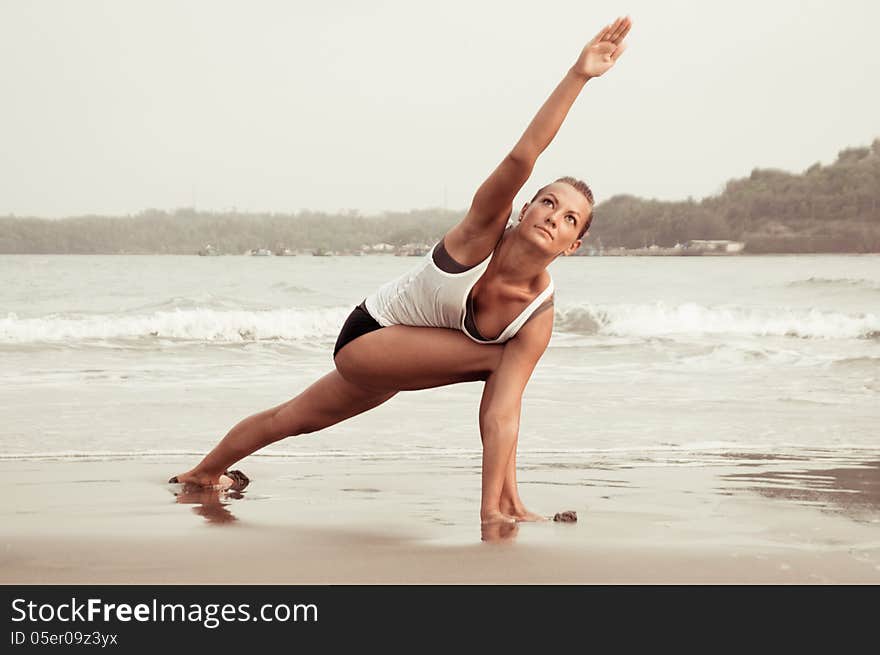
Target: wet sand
(717,518)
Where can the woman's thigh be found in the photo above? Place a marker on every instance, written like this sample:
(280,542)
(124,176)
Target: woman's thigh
(404,358)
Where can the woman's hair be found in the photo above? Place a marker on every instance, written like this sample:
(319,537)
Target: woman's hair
(581,186)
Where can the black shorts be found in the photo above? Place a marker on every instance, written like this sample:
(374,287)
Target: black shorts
(359,322)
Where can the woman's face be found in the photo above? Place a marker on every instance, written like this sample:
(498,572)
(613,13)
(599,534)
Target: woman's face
(554,219)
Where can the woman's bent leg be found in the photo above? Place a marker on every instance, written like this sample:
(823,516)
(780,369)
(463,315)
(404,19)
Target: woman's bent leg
(370,370)
(404,358)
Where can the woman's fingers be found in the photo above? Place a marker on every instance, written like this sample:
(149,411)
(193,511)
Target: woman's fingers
(627,25)
(609,34)
(619,51)
(615,32)
(621,27)
(600,35)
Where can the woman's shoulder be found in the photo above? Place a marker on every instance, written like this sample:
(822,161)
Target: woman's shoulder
(469,249)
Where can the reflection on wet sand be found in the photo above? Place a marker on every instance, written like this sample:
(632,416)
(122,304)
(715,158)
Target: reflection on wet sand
(212,504)
(494,533)
(853,491)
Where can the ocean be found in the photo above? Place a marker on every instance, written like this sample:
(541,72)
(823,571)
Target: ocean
(653,360)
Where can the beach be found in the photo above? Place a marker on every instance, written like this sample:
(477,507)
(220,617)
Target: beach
(710,420)
(729,520)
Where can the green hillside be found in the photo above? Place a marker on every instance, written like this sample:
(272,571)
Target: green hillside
(832,208)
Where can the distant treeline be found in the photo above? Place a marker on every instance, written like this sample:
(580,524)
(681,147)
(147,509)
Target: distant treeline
(186,231)
(832,208)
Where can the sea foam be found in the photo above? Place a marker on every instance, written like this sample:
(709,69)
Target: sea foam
(312,324)
(663,320)
(188,324)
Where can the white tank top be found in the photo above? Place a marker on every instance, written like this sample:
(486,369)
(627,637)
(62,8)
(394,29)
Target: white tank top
(430,297)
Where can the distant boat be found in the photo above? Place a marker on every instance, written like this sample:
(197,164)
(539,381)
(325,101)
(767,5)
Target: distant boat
(261,252)
(208,251)
(285,252)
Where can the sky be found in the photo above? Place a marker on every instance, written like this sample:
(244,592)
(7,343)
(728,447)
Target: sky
(117,106)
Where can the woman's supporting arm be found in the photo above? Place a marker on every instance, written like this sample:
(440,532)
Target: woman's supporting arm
(500,408)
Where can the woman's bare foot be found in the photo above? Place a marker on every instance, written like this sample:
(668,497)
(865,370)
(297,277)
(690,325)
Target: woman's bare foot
(495,516)
(229,480)
(526,515)
(195,479)
(520,513)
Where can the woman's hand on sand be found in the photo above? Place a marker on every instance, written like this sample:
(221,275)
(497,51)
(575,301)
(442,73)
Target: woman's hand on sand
(604,50)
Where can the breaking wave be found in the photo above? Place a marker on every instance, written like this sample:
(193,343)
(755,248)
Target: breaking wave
(662,320)
(188,324)
(656,320)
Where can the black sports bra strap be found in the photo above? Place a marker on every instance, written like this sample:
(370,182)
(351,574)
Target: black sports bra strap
(444,261)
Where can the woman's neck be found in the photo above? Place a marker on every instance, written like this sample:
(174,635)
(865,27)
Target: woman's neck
(516,262)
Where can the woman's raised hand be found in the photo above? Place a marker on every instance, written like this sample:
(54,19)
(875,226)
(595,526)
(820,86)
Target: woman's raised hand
(604,50)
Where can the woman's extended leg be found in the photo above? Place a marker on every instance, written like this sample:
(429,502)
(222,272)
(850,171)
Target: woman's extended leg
(329,400)
(369,370)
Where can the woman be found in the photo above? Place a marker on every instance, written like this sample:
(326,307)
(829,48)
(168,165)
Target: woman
(481,279)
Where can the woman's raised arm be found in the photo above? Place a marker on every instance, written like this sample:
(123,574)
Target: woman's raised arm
(492,202)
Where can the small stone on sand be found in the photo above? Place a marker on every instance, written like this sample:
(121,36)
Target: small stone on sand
(566,517)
